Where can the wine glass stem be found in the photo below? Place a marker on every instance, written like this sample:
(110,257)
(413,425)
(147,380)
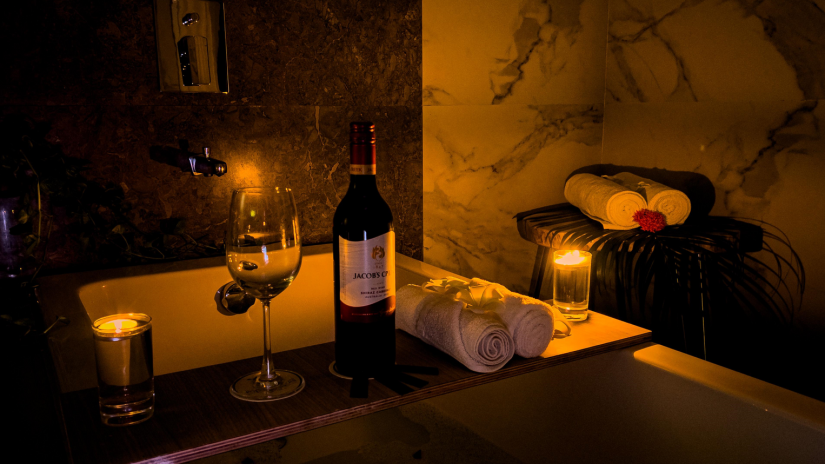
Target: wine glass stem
(267,372)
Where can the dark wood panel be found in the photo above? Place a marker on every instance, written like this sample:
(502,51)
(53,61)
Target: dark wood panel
(197,417)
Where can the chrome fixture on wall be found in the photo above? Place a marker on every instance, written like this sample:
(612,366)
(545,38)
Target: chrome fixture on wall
(191,41)
(196,163)
(200,164)
(232,300)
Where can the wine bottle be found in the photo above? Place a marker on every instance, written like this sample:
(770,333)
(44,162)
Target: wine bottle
(364,256)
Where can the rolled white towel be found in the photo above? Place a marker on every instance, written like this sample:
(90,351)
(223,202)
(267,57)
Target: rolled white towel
(479,341)
(674,204)
(529,320)
(604,200)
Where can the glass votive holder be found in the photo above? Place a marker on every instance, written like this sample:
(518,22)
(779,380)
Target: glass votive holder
(571,283)
(125,378)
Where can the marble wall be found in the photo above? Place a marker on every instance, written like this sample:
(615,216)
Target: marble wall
(299,73)
(733,90)
(700,50)
(513,101)
(518,94)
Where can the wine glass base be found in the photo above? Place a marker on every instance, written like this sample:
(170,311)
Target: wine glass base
(247,388)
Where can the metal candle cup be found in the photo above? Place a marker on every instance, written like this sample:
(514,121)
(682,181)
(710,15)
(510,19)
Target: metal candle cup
(125,378)
(571,283)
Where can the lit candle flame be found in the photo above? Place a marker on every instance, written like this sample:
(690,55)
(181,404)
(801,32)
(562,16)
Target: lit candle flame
(571,258)
(119,324)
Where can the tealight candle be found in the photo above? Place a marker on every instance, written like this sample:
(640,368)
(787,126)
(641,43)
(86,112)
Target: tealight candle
(571,283)
(123,352)
(118,325)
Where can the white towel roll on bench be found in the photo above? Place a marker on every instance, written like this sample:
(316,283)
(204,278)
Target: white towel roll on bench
(613,200)
(674,204)
(604,200)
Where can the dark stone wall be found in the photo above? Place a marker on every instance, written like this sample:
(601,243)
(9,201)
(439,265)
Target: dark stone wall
(299,72)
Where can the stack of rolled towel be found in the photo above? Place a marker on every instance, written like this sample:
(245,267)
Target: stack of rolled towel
(480,324)
(613,200)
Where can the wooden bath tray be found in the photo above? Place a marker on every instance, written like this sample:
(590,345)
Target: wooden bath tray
(196,416)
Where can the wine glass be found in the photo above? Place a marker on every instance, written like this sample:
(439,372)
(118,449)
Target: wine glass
(263,253)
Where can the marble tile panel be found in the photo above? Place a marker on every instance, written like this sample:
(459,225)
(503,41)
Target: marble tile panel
(484,164)
(345,52)
(301,53)
(707,50)
(766,160)
(506,52)
(306,148)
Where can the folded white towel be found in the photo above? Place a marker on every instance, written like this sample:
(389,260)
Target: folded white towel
(530,321)
(604,200)
(674,204)
(479,341)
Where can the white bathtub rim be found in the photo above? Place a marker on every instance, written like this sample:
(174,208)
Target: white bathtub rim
(759,394)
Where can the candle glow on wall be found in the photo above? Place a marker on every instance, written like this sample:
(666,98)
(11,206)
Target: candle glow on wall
(247,174)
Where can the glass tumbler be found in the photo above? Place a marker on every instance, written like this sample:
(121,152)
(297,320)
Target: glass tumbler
(571,283)
(125,378)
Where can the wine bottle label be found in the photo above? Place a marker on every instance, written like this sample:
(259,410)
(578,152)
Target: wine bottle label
(367,276)
(362,169)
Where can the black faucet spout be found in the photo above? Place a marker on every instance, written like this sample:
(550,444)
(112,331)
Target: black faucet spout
(196,163)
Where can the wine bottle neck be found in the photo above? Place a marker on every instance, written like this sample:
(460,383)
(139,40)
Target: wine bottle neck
(362,168)
(362,159)
(362,156)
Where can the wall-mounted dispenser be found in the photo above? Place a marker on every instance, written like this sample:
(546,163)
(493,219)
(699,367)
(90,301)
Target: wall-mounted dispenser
(191,39)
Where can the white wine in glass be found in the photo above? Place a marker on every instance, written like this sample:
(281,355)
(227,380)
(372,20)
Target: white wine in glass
(263,253)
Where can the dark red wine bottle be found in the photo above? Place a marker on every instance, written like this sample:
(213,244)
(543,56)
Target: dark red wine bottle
(364,256)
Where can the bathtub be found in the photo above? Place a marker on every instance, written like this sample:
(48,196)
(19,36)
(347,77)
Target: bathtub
(645,403)
(187,330)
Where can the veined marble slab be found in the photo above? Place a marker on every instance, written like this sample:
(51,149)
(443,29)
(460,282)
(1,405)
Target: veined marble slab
(703,50)
(509,52)
(484,164)
(766,160)
(745,148)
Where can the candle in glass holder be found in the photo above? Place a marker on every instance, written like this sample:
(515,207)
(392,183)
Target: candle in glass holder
(571,283)
(123,351)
